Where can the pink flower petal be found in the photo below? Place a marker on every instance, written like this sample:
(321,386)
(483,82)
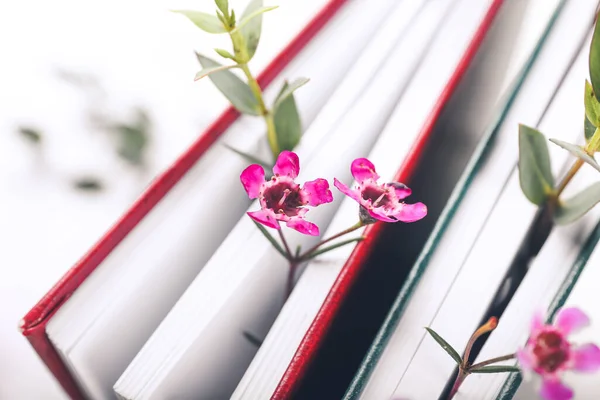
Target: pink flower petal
(402,191)
(537,323)
(252,177)
(525,360)
(586,358)
(411,212)
(303,226)
(380,215)
(555,390)
(362,169)
(569,320)
(353,194)
(318,192)
(265,217)
(287,164)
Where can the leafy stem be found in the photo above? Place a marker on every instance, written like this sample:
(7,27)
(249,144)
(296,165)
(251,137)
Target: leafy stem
(308,254)
(241,55)
(295,259)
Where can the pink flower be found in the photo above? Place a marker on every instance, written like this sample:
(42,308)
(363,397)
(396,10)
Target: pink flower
(381,202)
(282,199)
(549,353)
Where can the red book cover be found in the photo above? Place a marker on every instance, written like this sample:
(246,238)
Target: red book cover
(33,325)
(320,326)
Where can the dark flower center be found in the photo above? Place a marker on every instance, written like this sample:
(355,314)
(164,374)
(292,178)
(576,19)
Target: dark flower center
(551,351)
(378,196)
(283,198)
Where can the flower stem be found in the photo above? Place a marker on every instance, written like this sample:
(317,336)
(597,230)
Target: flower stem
(267,115)
(591,147)
(460,378)
(290,278)
(489,326)
(493,361)
(290,256)
(337,235)
(568,177)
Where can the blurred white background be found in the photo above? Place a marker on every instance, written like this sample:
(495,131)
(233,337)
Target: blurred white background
(73,71)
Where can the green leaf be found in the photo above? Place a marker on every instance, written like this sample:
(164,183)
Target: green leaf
(289,90)
(574,208)
(588,129)
(250,25)
(249,157)
(225,54)
(595,60)
(237,91)
(449,349)
(592,107)
(247,17)
(223,5)
(271,239)
(288,126)
(207,22)
(493,369)
(207,71)
(535,172)
(578,152)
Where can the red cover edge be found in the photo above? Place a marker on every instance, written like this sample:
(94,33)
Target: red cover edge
(33,325)
(315,335)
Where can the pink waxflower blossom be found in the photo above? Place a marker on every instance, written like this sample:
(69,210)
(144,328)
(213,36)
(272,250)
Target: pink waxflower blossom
(282,199)
(381,201)
(549,353)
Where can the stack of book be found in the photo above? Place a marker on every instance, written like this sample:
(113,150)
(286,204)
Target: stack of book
(162,306)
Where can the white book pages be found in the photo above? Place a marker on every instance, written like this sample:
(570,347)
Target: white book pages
(552,265)
(584,296)
(469,294)
(199,349)
(447,257)
(410,115)
(156,262)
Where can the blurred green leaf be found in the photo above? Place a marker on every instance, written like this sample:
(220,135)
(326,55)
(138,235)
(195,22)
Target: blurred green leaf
(225,54)
(592,107)
(578,152)
(574,208)
(288,126)
(535,172)
(445,345)
(237,91)
(249,157)
(252,339)
(207,71)
(88,184)
(31,135)
(207,22)
(595,59)
(133,138)
(289,90)
(247,17)
(588,129)
(223,5)
(250,25)
(493,369)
